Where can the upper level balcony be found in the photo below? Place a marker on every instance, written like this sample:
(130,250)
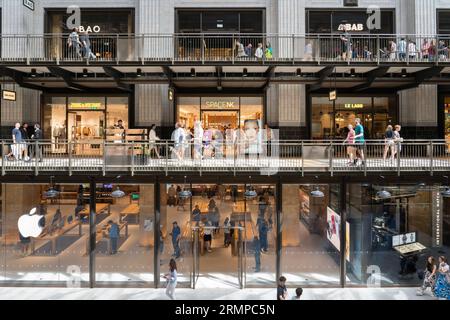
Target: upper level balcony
(222,49)
(223,157)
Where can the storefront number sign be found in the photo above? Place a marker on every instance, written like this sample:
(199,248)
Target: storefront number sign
(85,106)
(29,4)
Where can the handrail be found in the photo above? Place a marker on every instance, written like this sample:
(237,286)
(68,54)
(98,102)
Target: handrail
(336,34)
(138,157)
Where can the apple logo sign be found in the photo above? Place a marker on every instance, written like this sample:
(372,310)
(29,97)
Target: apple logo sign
(31,225)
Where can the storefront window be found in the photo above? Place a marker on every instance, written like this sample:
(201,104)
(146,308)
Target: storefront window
(55,122)
(447,118)
(392,235)
(220,112)
(48,246)
(330,119)
(311,235)
(443,22)
(79,119)
(229,227)
(325,21)
(124,254)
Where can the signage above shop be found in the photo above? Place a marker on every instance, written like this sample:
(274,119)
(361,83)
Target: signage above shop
(8,95)
(354,106)
(333,95)
(351,27)
(90,29)
(29,4)
(86,106)
(220,104)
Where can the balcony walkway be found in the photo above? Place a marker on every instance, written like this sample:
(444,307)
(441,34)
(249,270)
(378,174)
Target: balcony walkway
(286,157)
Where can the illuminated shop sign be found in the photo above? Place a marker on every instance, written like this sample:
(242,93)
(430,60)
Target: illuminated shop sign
(351,27)
(90,29)
(220,105)
(86,105)
(354,106)
(9,95)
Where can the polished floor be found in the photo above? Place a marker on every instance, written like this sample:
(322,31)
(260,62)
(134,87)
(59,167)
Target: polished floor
(229,294)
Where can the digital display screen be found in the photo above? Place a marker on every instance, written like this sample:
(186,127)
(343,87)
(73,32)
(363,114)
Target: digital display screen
(402,239)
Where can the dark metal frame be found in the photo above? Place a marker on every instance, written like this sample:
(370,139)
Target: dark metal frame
(443,92)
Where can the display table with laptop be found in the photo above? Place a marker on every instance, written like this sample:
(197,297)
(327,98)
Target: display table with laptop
(55,235)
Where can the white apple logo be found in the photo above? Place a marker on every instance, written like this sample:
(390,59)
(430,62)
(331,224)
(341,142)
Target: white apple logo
(29,224)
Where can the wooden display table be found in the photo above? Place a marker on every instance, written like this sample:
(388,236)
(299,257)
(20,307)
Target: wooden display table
(103,234)
(99,208)
(131,210)
(53,237)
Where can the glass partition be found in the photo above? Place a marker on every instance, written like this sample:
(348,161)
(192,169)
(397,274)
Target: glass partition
(393,230)
(125,234)
(310,229)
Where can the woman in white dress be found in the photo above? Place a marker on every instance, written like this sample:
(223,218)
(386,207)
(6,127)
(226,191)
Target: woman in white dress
(152,139)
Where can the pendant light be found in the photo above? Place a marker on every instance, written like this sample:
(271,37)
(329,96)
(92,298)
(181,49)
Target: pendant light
(384,194)
(317,193)
(51,192)
(185,193)
(446,192)
(118,193)
(250,193)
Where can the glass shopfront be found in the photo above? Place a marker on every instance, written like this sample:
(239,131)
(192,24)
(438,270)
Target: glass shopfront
(78,119)
(331,118)
(311,229)
(334,21)
(103,27)
(393,230)
(443,22)
(226,237)
(51,246)
(219,113)
(447,118)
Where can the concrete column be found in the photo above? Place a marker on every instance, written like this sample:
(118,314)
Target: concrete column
(418,107)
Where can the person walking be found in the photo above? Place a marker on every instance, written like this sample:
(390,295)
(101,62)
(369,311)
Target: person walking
(196,214)
(74,44)
(263,229)
(171,278)
(282,293)
(412,50)
(402,47)
(114,234)
(86,46)
(350,142)
(176,236)
(259,53)
(392,50)
(347,44)
(429,276)
(249,50)
(207,235)
(388,142)
(37,138)
(397,141)
(257,253)
(359,142)
(240,50)
(152,139)
(17,146)
(226,232)
(442,288)
(268,53)
(425,49)
(298,294)
(215,219)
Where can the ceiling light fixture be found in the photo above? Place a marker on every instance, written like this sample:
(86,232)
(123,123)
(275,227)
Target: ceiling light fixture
(192,72)
(139,73)
(299,72)
(245,72)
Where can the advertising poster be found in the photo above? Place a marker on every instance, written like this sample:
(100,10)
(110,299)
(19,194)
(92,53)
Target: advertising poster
(334,234)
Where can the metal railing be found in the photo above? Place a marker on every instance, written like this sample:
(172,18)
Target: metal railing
(232,48)
(266,158)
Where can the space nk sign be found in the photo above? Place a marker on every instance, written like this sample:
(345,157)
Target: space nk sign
(29,4)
